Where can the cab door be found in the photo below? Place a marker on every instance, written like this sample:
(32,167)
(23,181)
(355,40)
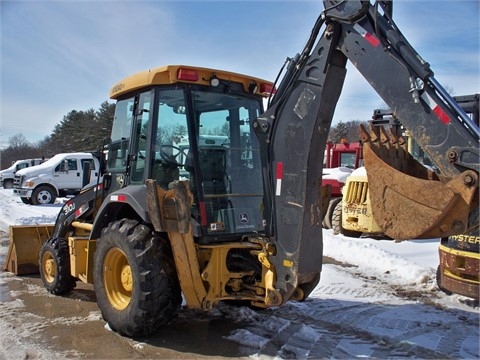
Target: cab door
(67,174)
(128,148)
(137,161)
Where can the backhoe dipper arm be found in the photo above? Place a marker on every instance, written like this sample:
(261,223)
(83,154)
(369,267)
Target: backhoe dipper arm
(294,130)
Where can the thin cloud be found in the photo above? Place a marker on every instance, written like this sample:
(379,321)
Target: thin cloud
(63,55)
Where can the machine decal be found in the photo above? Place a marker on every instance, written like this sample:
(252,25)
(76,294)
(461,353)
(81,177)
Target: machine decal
(68,207)
(203,212)
(81,210)
(243,218)
(217,226)
(372,39)
(120,198)
(437,110)
(278,190)
(287,263)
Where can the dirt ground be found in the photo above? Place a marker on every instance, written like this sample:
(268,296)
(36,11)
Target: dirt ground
(72,327)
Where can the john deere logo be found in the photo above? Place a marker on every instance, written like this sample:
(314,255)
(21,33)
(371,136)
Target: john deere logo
(243,218)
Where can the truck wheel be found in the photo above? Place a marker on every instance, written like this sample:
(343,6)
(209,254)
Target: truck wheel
(327,220)
(55,267)
(27,201)
(43,195)
(135,280)
(337,223)
(8,184)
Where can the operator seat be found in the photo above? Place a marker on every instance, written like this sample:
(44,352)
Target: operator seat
(213,167)
(213,164)
(165,174)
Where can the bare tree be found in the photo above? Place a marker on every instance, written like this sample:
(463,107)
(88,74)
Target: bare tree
(346,131)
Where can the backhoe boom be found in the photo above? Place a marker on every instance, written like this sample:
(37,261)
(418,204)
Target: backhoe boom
(299,117)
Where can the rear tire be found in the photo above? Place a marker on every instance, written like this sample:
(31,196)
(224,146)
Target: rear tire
(26,201)
(55,267)
(43,195)
(8,184)
(337,223)
(135,280)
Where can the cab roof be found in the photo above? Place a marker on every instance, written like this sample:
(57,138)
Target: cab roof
(172,74)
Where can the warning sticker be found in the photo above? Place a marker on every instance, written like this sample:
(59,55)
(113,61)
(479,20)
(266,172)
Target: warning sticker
(217,226)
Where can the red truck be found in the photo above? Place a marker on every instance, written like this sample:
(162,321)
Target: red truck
(339,162)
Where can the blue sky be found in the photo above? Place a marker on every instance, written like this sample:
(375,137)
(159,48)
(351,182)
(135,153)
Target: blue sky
(58,56)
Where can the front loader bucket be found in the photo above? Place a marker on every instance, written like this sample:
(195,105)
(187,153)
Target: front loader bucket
(408,200)
(24,248)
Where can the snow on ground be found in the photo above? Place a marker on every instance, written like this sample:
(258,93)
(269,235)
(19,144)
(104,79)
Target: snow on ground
(409,265)
(14,212)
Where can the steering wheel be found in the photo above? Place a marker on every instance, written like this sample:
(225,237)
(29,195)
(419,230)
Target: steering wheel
(168,156)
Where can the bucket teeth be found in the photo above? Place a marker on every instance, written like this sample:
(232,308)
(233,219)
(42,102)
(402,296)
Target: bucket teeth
(408,200)
(365,136)
(384,138)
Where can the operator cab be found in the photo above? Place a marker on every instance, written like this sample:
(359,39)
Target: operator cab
(195,132)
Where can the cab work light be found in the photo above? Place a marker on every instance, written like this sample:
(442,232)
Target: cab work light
(187,74)
(267,88)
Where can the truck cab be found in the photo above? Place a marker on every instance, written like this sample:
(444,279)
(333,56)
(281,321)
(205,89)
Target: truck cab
(60,176)
(338,163)
(7,175)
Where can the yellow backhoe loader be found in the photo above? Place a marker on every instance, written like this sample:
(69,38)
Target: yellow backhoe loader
(238,216)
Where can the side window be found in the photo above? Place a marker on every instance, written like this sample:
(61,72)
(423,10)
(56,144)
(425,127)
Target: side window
(72,164)
(66,165)
(121,130)
(142,119)
(348,160)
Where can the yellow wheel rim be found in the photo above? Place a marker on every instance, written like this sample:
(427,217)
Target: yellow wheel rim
(48,266)
(117,278)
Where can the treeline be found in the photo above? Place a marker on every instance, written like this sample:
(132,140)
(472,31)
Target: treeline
(85,130)
(78,131)
(350,131)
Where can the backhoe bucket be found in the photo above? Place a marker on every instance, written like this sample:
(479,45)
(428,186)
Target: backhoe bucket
(410,201)
(24,248)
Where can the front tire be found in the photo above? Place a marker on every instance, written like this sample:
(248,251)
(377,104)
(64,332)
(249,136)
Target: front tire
(327,220)
(43,195)
(55,267)
(135,280)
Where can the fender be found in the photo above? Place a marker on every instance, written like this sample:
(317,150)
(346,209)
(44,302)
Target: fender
(131,201)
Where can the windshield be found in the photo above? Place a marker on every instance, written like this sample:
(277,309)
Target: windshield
(230,164)
(225,169)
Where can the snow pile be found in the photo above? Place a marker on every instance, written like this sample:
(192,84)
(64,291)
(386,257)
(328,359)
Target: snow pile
(340,173)
(14,212)
(384,263)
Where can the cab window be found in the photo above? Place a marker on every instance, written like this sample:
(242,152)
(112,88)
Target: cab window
(66,165)
(139,149)
(118,149)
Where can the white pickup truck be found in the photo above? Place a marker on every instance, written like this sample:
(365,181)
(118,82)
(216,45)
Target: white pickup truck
(60,176)
(7,175)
